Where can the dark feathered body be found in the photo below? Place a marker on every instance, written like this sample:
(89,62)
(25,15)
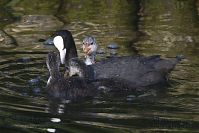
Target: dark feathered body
(73,88)
(65,88)
(136,71)
(130,71)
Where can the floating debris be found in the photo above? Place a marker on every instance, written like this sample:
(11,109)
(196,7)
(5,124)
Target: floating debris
(56,120)
(6,40)
(103,89)
(41,40)
(130,98)
(34,81)
(113,46)
(36,91)
(49,41)
(51,130)
(101,51)
(24,59)
(113,52)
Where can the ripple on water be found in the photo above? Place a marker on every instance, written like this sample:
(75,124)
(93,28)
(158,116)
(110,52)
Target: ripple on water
(24,106)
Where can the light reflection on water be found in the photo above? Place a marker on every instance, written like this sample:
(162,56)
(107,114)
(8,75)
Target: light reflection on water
(169,30)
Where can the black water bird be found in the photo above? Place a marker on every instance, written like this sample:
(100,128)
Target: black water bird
(132,71)
(65,88)
(64,42)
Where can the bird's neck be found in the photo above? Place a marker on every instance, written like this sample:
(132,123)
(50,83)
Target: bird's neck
(90,59)
(55,73)
(70,53)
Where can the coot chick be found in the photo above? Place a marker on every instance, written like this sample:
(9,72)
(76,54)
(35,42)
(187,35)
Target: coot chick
(79,68)
(90,49)
(65,88)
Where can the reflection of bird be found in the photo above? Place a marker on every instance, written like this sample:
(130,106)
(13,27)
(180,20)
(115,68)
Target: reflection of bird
(135,71)
(65,88)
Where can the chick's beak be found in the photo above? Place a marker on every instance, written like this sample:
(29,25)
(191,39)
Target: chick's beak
(87,49)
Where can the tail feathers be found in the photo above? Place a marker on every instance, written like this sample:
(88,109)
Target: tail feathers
(167,65)
(180,57)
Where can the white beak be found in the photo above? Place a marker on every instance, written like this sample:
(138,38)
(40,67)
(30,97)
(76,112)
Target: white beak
(59,44)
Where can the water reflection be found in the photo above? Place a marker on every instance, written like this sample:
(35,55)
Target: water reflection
(106,20)
(167,28)
(171,30)
(6,16)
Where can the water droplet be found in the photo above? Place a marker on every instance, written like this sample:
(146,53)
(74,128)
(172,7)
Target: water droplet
(51,130)
(56,120)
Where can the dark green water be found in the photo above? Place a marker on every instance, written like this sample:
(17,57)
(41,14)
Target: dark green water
(165,27)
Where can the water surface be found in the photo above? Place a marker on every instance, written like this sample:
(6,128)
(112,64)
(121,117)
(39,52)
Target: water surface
(160,27)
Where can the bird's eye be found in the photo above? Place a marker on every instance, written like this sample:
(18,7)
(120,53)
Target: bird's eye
(92,43)
(83,43)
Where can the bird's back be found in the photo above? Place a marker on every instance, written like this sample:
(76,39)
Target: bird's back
(138,70)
